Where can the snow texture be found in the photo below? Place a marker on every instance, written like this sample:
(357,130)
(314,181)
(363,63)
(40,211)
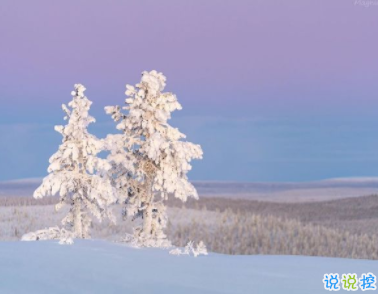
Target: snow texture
(91,266)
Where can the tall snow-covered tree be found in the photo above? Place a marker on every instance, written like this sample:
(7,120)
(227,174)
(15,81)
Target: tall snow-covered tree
(77,174)
(161,159)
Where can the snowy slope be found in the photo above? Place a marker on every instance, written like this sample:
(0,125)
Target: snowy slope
(103,267)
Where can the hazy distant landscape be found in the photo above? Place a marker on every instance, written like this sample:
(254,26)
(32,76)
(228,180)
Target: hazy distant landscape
(232,218)
(277,192)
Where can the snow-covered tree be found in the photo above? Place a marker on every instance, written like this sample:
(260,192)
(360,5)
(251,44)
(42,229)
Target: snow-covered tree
(77,174)
(159,157)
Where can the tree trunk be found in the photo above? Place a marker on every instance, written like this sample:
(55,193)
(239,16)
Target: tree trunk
(152,233)
(77,218)
(147,222)
(147,212)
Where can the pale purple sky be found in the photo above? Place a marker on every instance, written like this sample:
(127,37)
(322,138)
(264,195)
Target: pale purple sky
(274,90)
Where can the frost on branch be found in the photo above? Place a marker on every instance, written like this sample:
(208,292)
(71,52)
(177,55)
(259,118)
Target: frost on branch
(200,249)
(76,174)
(154,160)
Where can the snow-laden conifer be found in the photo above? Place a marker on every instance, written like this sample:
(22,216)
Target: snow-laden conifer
(159,156)
(76,173)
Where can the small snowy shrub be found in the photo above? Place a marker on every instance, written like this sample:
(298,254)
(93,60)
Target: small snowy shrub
(51,233)
(153,160)
(77,175)
(200,249)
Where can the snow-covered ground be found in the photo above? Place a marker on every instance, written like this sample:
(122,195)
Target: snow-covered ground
(91,266)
